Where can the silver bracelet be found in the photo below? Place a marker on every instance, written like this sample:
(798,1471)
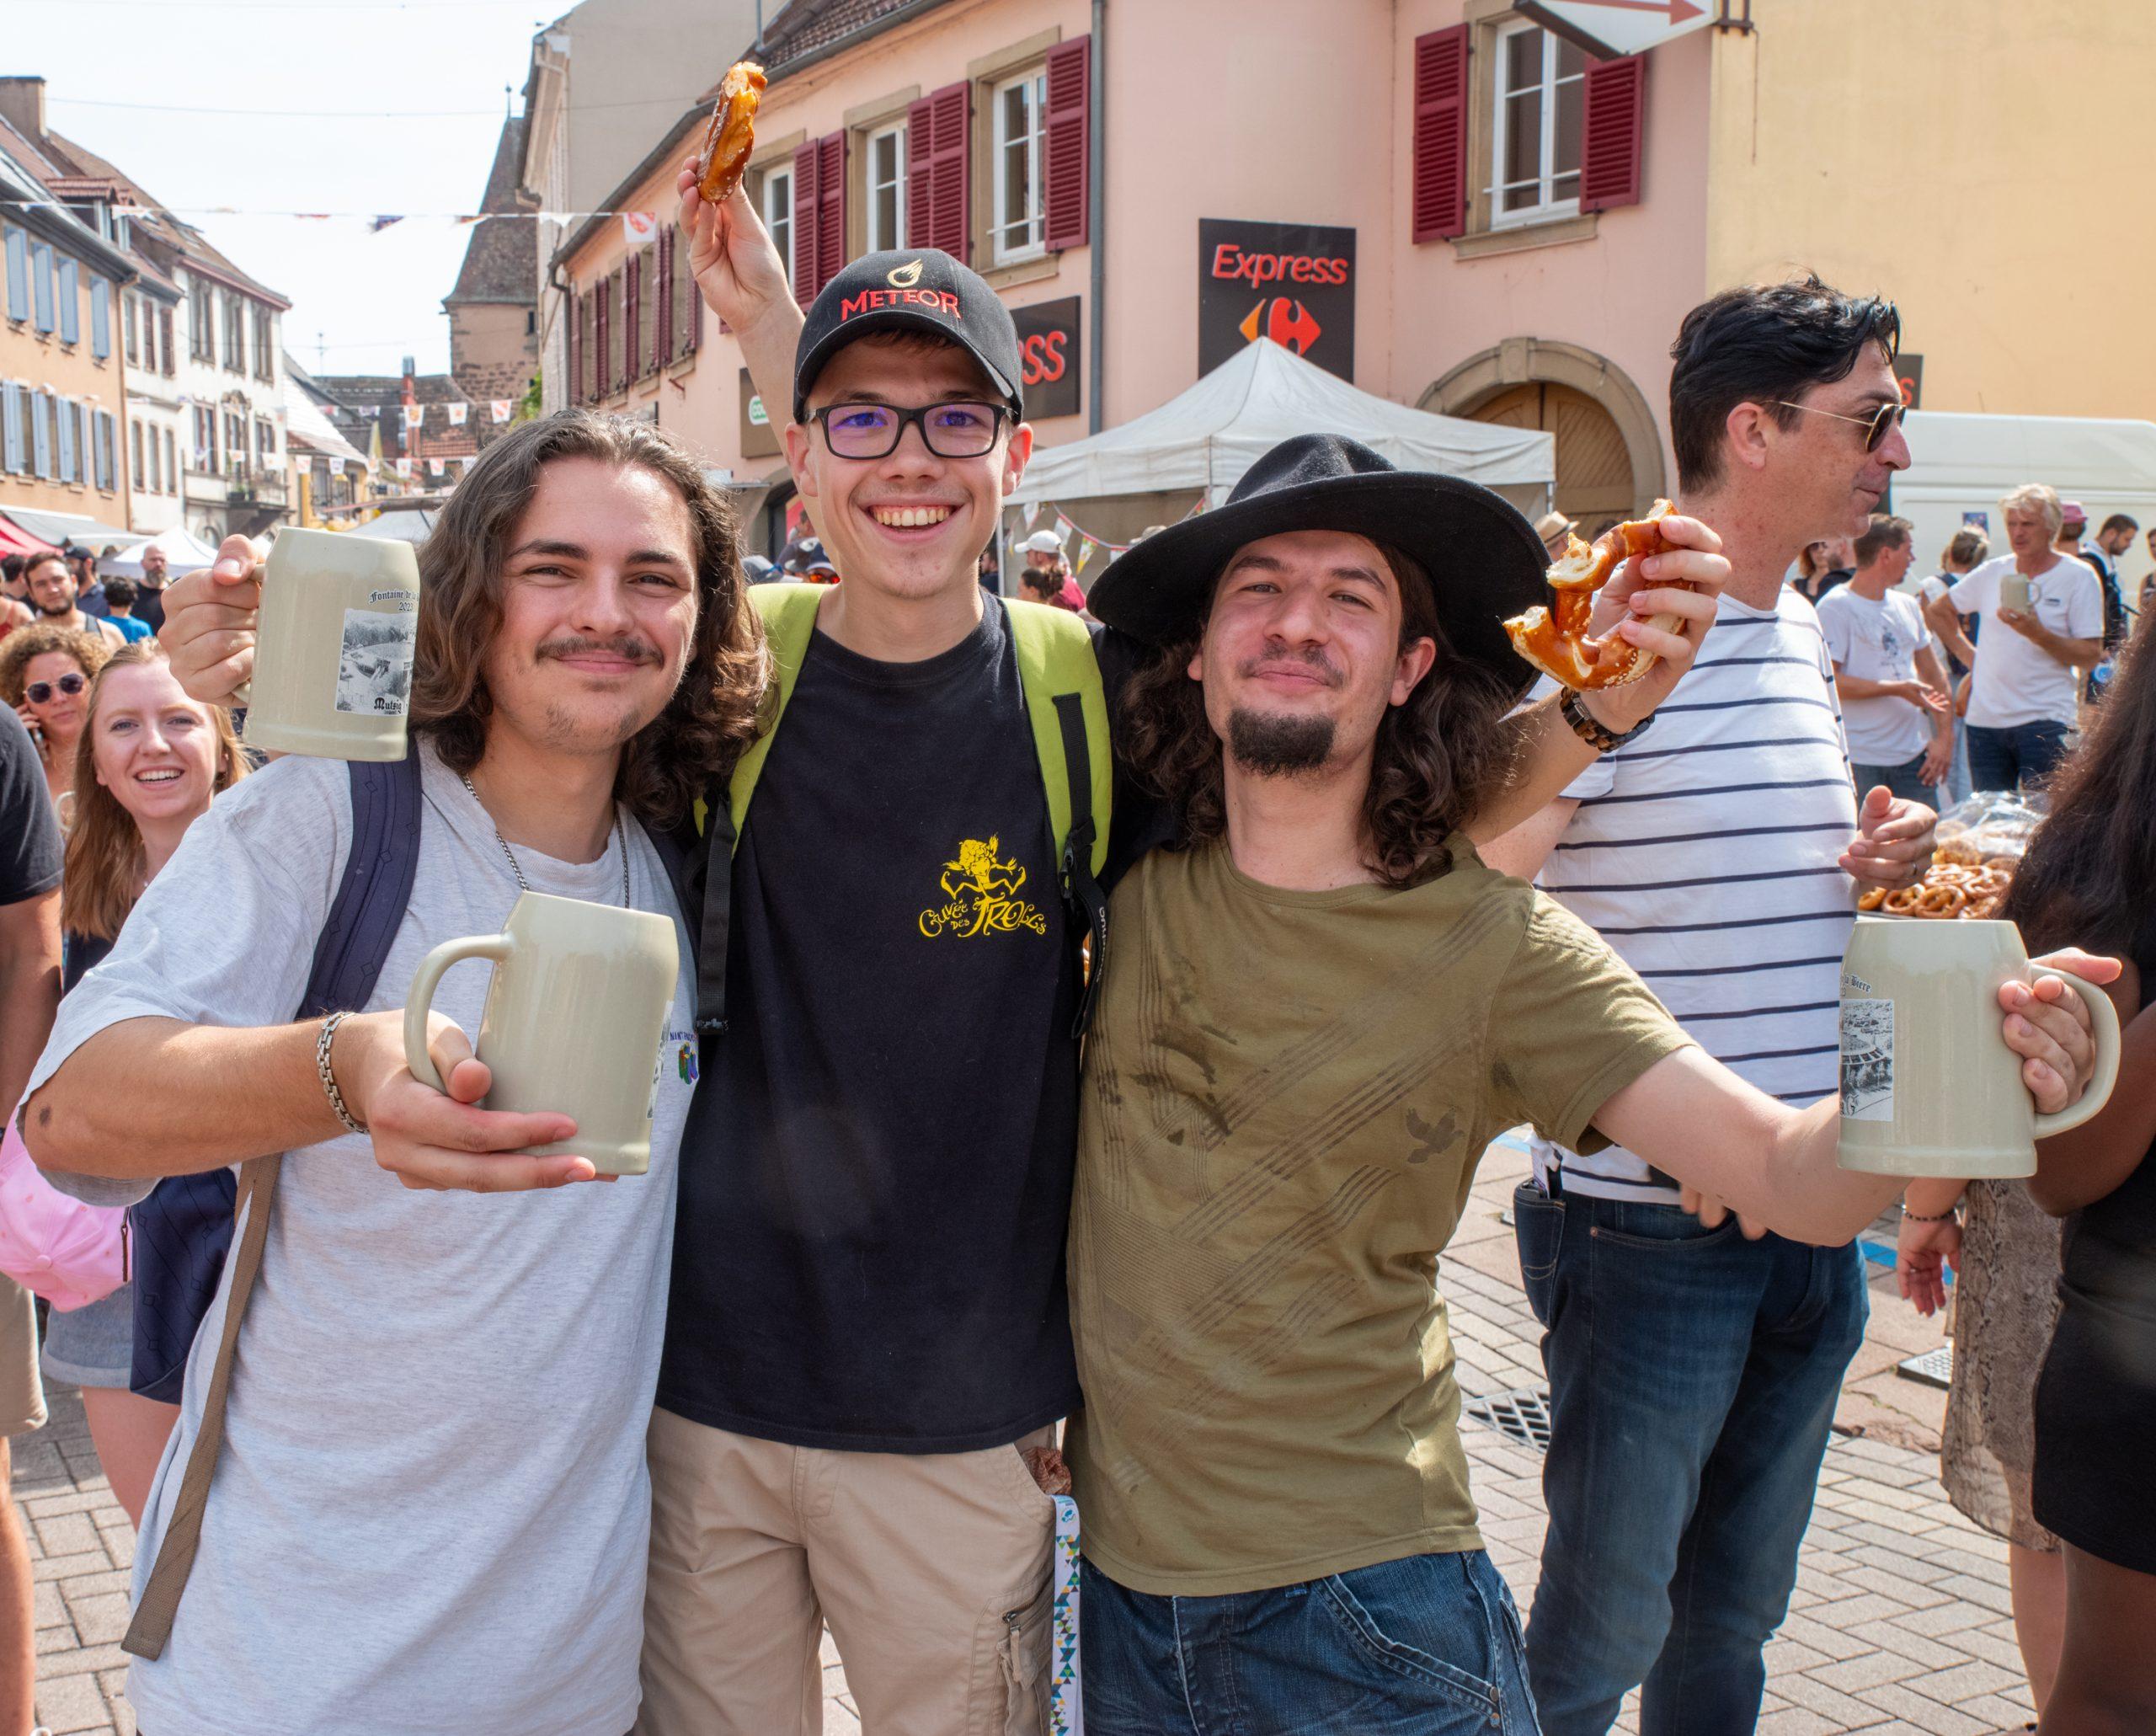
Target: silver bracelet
(328,1074)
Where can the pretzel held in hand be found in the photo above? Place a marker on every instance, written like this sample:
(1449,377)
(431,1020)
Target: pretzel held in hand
(732,134)
(1555,638)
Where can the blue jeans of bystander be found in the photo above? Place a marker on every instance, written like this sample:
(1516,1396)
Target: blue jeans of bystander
(2014,757)
(1693,1377)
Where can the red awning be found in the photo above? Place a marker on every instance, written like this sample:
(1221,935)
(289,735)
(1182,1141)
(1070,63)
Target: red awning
(15,540)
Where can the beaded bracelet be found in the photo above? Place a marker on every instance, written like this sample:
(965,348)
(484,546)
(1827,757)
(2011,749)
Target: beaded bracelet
(1952,1214)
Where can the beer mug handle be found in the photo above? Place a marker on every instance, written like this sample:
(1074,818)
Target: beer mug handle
(421,1001)
(2104,1018)
(243,693)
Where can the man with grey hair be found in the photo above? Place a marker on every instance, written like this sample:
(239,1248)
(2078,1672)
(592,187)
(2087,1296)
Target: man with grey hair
(2043,618)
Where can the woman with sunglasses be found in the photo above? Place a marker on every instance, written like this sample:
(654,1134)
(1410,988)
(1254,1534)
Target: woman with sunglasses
(149,761)
(44,674)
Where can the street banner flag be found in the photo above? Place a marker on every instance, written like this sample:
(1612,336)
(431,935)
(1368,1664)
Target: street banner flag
(435,466)
(382,223)
(404,467)
(457,411)
(415,414)
(639,227)
(501,408)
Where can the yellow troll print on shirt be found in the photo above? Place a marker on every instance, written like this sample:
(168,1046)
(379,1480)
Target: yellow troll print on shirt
(983,891)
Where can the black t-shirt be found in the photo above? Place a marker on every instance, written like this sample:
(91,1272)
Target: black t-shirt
(29,833)
(150,607)
(2109,1258)
(875,1178)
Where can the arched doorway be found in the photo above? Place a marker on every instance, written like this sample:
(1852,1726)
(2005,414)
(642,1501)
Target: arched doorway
(1594,472)
(1609,450)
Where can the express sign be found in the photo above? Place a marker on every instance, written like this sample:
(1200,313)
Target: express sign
(1048,355)
(1291,282)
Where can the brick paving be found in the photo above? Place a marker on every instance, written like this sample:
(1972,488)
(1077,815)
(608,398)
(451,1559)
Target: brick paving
(1899,1622)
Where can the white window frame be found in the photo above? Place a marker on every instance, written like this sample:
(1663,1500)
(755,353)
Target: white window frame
(1546,207)
(778,175)
(896,136)
(1034,80)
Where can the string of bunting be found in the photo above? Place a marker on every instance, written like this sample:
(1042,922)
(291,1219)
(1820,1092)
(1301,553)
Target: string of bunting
(1066,528)
(377,221)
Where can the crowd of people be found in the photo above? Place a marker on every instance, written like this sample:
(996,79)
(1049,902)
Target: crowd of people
(1285,892)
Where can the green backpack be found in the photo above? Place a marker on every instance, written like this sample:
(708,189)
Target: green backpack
(1067,709)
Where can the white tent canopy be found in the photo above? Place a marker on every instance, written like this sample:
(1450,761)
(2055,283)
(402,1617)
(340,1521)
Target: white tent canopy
(1208,436)
(184,553)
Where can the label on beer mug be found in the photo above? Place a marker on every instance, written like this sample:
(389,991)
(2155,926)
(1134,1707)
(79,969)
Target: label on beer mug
(374,671)
(1867,1059)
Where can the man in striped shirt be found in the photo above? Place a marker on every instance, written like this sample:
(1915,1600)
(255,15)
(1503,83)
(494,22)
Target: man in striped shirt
(1694,1370)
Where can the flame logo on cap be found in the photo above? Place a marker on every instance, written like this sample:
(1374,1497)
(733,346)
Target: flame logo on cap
(905,276)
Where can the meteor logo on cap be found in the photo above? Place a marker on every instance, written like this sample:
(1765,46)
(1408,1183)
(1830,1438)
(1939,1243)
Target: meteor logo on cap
(905,276)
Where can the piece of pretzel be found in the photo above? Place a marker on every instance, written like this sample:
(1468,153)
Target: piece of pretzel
(732,133)
(1902,901)
(1872,898)
(1940,901)
(1555,638)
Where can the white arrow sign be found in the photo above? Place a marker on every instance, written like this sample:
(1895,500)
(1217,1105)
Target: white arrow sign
(1608,28)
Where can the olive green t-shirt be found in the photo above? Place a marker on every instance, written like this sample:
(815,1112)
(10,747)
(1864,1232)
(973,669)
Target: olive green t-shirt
(1285,1097)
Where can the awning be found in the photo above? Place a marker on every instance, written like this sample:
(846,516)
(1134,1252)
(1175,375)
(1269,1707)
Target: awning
(58,527)
(14,540)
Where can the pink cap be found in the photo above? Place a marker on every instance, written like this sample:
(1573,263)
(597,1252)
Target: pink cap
(2073,512)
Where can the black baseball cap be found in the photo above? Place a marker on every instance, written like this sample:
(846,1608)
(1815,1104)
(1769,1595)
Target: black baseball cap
(914,289)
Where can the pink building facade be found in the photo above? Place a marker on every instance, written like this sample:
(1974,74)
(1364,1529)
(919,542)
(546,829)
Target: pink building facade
(1436,199)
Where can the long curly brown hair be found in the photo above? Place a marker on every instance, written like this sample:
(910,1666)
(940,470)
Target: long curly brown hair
(2089,877)
(1435,756)
(714,713)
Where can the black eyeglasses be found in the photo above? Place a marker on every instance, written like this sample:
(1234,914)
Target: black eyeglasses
(873,431)
(1876,426)
(40,692)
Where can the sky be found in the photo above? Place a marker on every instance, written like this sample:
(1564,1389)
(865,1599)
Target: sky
(363,106)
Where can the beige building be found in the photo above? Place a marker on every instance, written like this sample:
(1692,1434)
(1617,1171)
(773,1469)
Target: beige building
(493,310)
(1439,199)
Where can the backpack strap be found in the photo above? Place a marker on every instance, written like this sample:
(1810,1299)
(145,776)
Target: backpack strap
(370,905)
(1068,708)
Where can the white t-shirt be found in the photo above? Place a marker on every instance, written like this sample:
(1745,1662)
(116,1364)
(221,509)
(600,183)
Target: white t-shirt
(2015,681)
(1705,854)
(1877,642)
(431,1511)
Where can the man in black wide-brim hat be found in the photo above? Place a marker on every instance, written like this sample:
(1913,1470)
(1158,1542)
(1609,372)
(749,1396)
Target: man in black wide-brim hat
(1318,1007)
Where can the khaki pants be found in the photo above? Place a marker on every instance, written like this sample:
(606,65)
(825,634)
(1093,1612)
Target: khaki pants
(932,1571)
(22,1394)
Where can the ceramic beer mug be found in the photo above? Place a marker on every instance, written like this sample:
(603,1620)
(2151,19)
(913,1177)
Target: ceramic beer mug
(1928,1086)
(573,1021)
(333,647)
(2014,593)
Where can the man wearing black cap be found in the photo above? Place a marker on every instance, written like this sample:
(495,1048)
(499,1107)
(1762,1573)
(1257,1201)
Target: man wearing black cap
(868,1310)
(1319,1009)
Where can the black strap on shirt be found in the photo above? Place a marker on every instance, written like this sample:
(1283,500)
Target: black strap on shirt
(1088,903)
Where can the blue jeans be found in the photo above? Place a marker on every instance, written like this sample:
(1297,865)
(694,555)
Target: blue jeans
(2021,754)
(1905,780)
(1693,1377)
(1428,1645)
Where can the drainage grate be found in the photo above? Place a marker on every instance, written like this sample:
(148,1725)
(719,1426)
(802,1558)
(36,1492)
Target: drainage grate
(1934,1368)
(1524,1415)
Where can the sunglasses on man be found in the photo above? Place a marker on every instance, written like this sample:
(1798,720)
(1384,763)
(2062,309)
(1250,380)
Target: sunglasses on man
(1876,426)
(40,692)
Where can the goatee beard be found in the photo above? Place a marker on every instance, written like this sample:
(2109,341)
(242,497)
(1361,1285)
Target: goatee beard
(1271,746)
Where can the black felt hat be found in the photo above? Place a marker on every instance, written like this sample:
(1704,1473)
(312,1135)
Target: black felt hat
(1483,560)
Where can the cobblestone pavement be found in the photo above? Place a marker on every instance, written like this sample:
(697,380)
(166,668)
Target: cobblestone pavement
(1899,1623)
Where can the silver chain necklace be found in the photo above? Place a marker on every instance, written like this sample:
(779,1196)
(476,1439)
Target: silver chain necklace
(524,886)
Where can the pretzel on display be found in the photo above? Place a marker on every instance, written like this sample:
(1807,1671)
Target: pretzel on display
(1555,638)
(732,133)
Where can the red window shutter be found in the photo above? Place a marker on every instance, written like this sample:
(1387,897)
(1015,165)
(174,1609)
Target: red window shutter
(603,335)
(805,205)
(1613,128)
(164,334)
(662,329)
(1069,167)
(1441,135)
(576,350)
(939,160)
(632,316)
(831,207)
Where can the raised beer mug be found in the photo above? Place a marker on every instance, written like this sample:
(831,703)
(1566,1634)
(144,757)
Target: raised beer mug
(333,647)
(1928,1086)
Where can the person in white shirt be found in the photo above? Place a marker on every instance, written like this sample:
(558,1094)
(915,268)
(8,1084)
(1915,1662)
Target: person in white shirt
(2042,616)
(1895,708)
(431,1507)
